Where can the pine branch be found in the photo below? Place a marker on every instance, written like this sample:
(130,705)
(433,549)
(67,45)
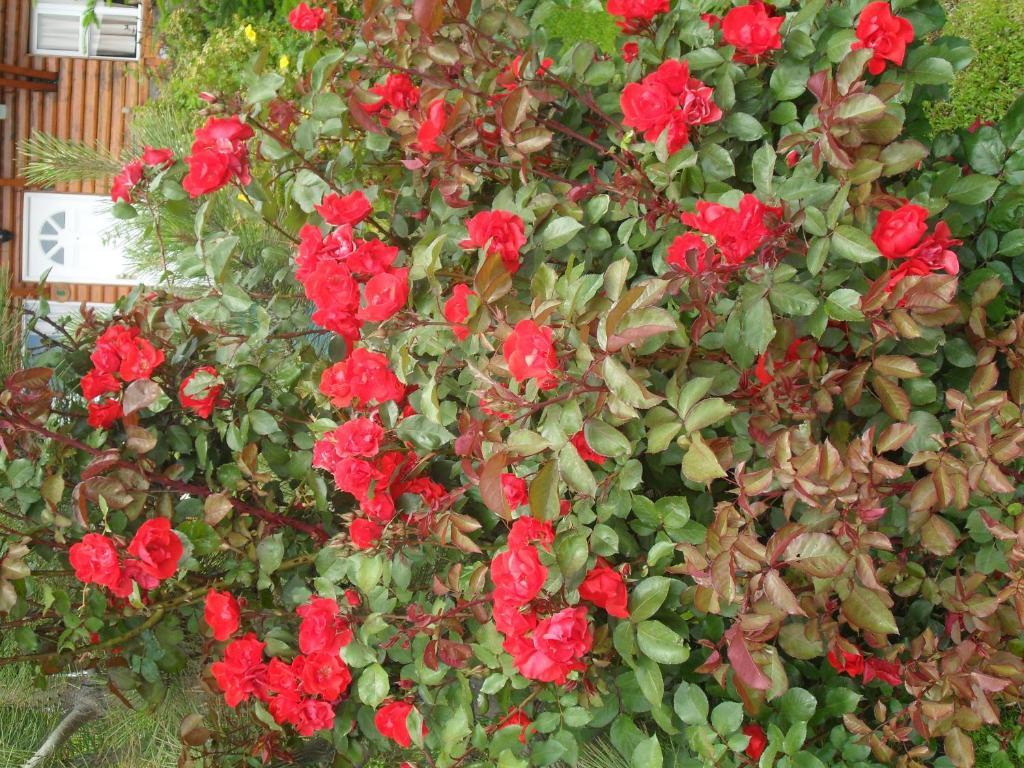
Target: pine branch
(50,161)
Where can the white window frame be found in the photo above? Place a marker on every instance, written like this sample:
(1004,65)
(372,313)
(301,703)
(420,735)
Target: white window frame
(77,8)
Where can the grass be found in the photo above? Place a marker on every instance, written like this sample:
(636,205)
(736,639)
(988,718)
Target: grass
(991,83)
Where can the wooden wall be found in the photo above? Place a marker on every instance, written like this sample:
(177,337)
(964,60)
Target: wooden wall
(93,103)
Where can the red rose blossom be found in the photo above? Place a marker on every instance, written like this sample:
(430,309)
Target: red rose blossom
(517,717)
(848,662)
(456,310)
(157,548)
(364,533)
(384,295)
(219,155)
(157,158)
(222,614)
(307,715)
(530,354)
(364,377)
(126,181)
(557,647)
(897,232)
(668,99)
(885,34)
(95,560)
(242,673)
(397,93)
(306,19)
(751,31)
(201,396)
(392,723)
(528,530)
(738,232)
(500,232)
(690,255)
(344,210)
(605,588)
(630,51)
(758,740)
(515,489)
(104,414)
(432,127)
(322,628)
(518,575)
(635,14)
(887,671)
(579,442)
(96,383)
(325,674)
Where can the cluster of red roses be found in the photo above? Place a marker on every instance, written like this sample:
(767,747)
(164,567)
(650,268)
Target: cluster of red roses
(854,664)
(154,554)
(898,235)
(546,649)
(306,19)
(200,391)
(669,98)
(121,356)
(737,234)
(300,693)
(349,280)
(397,93)
(130,176)
(219,156)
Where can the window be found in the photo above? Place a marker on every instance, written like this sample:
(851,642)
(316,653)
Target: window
(69,239)
(65,314)
(58,30)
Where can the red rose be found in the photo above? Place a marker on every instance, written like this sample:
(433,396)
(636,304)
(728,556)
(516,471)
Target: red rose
(397,93)
(380,508)
(605,588)
(579,442)
(751,31)
(322,628)
(512,619)
(370,257)
(96,383)
(530,354)
(392,722)
(499,232)
(885,34)
(887,671)
(95,560)
(432,127)
(689,254)
(352,598)
(348,210)
(306,19)
(634,14)
(669,98)
(305,714)
(935,251)
(157,158)
(200,391)
(761,370)
(208,171)
(139,359)
(364,533)
(757,742)
(357,437)
(242,673)
(132,573)
(157,547)
(104,414)
(630,51)
(126,181)
(456,310)
(363,377)
(356,476)
(283,677)
(325,674)
(518,575)
(529,530)
(557,647)
(648,108)
(385,294)
(222,614)
(897,232)
(738,233)
(515,489)
(517,717)
(849,662)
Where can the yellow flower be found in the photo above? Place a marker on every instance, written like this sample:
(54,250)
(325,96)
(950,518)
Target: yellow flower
(283,63)
(243,198)
(250,34)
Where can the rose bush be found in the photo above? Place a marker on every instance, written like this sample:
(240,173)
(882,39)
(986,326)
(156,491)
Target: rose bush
(670,397)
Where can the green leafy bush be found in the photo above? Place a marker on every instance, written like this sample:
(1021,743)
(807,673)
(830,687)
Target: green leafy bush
(662,405)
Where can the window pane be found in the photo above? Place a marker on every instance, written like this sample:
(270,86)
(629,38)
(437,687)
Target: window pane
(115,36)
(58,32)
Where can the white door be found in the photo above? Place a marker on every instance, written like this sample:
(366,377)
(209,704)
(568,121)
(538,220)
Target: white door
(71,236)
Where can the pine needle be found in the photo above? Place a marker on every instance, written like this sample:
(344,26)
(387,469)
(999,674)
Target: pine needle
(50,161)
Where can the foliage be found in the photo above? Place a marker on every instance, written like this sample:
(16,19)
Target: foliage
(577,22)
(650,411)
(987,88)
(11,357)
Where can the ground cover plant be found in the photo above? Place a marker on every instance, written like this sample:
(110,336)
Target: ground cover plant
(658,407)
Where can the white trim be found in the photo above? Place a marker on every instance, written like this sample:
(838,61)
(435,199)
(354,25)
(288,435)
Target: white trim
(76,8)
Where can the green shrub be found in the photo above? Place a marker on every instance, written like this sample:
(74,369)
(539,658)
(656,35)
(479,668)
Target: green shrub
(579,23)
(996,76)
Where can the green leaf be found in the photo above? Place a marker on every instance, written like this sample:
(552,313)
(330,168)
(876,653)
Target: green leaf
(763,168)
(544,492)
(865,610)
(424,433)
(373,685)
(647,597)
(798,705)
(621,383)
(853,245)
(708,412)
(973,190)
(743,126)
(558,232)
(843,304)
(691,704)
(661,643)
(20,472)
(793,299)
(649,678)
(860,107)
(571,553)
(700,465)
(606,440)
(727,717)
(270,553)
(647,754)
(263,423)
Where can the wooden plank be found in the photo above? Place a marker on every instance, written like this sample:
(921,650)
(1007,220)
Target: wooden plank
(76,129)
(117,117)
(90,114)
(31,72)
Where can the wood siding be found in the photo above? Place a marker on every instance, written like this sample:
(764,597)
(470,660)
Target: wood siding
(93,103)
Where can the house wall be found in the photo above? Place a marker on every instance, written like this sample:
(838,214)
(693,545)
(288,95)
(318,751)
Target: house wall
(93,104)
